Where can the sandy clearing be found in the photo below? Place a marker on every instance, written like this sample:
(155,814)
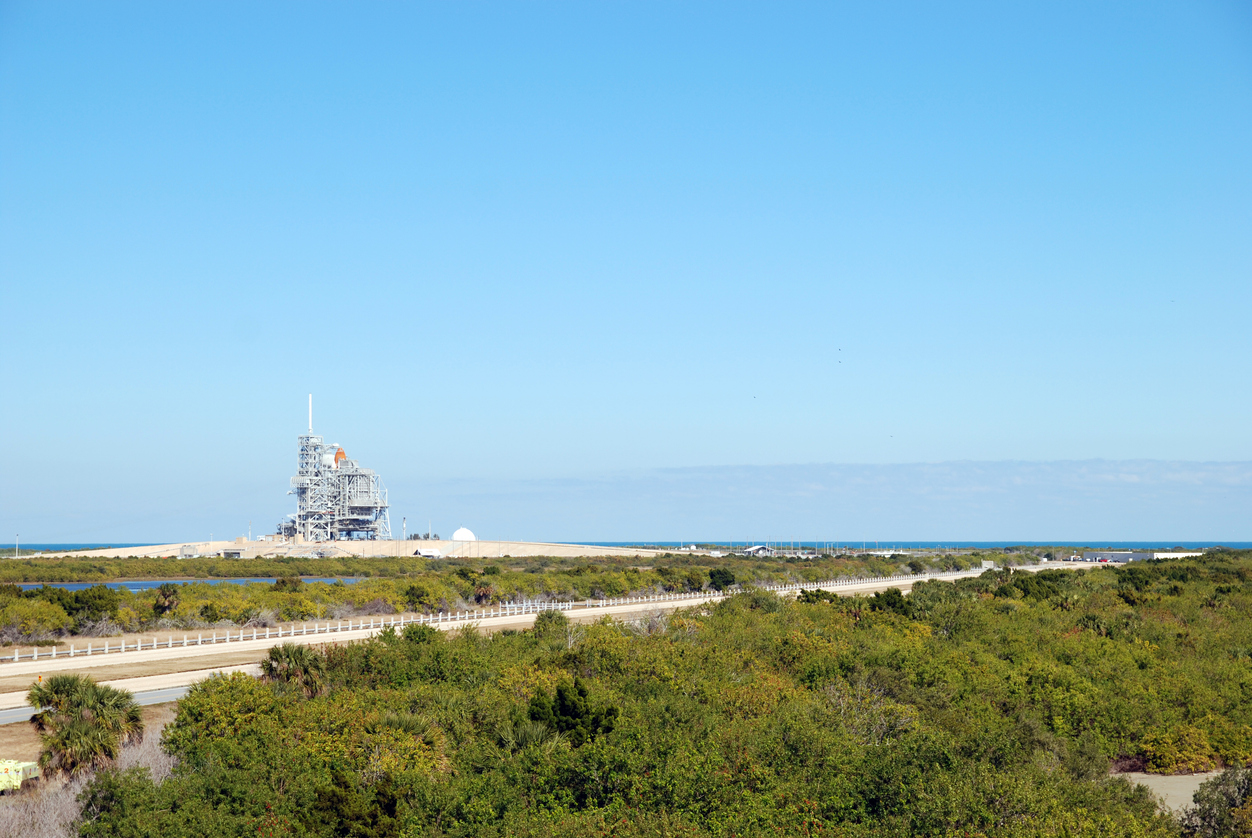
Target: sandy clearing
(1174,790)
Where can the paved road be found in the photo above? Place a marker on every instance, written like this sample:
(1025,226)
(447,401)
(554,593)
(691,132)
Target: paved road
(23,714)
(150,689)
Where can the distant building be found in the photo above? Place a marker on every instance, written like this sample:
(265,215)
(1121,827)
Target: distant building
(758,550)
(1122,556)
(1114,556)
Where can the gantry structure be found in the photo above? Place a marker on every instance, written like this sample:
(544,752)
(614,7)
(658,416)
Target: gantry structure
(336,499)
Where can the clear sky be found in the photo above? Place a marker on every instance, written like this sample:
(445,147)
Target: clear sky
(586,242)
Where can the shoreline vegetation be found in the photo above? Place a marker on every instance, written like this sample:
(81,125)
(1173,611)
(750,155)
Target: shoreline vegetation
(989,706)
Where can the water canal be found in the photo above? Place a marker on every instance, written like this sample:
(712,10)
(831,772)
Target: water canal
(136,585)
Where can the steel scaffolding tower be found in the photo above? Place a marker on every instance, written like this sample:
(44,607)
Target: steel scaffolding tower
(336,499)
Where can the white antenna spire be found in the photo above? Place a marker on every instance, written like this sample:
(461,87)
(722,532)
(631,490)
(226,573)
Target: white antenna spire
(310,414)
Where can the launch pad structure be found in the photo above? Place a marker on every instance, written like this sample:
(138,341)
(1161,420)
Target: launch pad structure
(336,499)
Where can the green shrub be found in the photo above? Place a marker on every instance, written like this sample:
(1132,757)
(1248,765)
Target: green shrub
(551,624)
(721,578)
(421,597)
(420,633)
(892,600)
(1222,806)
(33,617)
(570,712)
(1182,750)
(759,600)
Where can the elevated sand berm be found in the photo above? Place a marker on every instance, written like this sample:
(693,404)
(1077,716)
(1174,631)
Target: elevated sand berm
(445,549)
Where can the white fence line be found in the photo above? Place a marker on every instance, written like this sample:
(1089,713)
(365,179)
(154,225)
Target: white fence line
(440,618)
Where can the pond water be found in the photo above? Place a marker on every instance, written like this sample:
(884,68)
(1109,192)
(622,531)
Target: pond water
(136,585)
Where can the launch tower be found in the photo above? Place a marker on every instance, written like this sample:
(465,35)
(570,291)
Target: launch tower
(336,499)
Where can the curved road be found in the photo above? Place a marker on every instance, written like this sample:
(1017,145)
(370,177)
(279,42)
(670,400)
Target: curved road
(156,689)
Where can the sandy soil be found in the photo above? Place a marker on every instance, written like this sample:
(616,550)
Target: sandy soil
(1174,790)
(21,742)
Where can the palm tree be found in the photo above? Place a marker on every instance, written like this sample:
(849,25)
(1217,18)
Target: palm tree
(82,724)
(166,599)
(297,665)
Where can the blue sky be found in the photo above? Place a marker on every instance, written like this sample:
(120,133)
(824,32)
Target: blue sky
(594,243)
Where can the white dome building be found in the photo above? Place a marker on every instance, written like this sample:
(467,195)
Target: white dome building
(463,535)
